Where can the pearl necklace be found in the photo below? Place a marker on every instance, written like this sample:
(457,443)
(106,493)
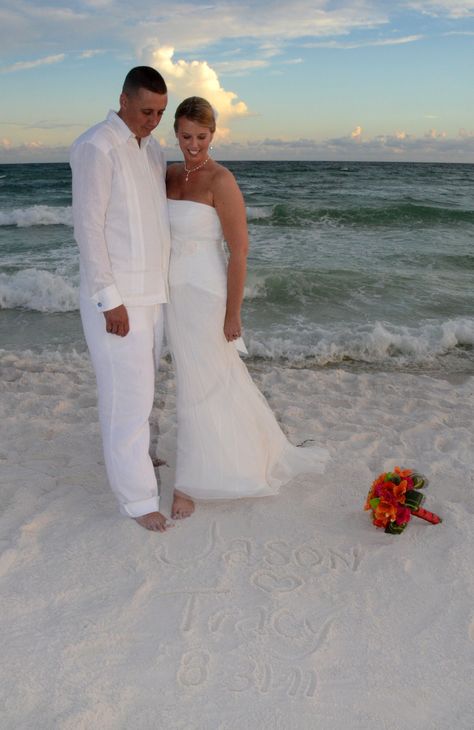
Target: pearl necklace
(188,171)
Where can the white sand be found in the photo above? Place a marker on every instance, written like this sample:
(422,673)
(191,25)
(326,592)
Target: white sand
(289,613)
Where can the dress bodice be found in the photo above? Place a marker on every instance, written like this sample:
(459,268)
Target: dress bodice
(193,225)
(198,256)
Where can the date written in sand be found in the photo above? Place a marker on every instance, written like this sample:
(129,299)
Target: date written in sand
(247,674)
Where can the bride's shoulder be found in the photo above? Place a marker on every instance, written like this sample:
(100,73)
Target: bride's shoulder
(221,171)
(225,190)
(222,177)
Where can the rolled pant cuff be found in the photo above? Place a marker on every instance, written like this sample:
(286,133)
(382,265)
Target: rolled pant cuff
(142,507)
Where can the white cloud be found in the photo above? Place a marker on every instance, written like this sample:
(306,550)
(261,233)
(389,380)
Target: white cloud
(28,27)
(190,27)
(25,65)
(400,146)
(43,124)
(452,8)
(197,78)
(90,54)
(433,134)
(364,44)
(32,151)
(99,3)
(267,27)
(51,124)
(239,68)
(54,15)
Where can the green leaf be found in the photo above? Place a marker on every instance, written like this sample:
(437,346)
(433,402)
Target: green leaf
(394,529)
(413,499)
(419,481)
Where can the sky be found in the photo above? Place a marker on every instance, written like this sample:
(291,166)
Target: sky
(303,80)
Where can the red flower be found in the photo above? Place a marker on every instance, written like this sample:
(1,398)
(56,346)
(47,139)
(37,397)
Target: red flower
(403,515)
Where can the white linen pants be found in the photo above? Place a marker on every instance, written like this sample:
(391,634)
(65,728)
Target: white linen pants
(125,372)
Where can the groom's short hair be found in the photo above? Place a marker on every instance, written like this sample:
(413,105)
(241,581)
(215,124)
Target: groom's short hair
(144,77)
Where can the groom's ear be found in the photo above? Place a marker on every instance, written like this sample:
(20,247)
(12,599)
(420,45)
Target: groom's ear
(123,99)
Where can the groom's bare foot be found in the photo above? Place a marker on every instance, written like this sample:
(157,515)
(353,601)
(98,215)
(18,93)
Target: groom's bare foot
(182,506)
(154,521)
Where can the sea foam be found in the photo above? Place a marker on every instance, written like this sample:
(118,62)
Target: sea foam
(37,215)
(38,290)
(378,343)
(254,212)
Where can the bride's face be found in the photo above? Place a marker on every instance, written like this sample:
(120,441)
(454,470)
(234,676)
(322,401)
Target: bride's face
(194,140)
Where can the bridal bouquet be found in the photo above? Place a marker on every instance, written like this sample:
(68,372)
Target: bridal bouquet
(394,498)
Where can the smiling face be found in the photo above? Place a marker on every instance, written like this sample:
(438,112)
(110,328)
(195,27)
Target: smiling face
(194,140)
(142,111)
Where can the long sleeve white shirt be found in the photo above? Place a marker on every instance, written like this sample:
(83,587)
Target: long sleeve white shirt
(120,215)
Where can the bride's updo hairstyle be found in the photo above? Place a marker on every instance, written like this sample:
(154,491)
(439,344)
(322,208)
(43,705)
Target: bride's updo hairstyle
(198,110)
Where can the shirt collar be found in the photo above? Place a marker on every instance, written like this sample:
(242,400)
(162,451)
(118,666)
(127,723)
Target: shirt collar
(124,133)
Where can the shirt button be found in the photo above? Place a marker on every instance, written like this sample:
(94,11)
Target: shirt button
(99,304)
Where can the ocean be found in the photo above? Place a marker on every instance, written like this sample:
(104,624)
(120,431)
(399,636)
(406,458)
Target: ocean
(360,265)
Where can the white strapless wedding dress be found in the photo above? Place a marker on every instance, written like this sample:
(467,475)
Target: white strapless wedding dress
(229,442)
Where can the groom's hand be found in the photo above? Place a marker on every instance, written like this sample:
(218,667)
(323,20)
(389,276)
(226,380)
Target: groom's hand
(116,321)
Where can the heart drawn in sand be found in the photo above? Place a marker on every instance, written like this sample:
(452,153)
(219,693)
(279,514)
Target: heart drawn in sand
(272,583)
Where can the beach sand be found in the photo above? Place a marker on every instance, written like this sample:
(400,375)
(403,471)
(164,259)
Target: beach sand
(286,613)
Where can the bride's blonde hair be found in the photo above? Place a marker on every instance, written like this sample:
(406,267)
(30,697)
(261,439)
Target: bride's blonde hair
(198,110)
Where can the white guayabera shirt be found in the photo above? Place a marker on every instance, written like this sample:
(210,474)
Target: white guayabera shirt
(120,215)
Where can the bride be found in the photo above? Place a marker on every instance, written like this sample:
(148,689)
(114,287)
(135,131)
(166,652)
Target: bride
(229,442)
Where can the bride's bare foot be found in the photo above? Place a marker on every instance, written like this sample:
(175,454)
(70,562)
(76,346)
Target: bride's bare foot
(154,521)
(182,506)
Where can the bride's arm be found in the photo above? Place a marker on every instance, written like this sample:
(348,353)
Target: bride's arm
(230,208)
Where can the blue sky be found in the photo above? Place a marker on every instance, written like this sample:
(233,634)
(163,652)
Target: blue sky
(310,79)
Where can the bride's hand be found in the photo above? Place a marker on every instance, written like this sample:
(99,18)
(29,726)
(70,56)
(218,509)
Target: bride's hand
(232,327)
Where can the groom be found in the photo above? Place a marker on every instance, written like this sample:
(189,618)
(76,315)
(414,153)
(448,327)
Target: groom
(122,229)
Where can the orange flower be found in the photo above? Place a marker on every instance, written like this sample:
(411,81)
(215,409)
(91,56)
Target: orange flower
(385,511)
(399,491)
(403,472)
